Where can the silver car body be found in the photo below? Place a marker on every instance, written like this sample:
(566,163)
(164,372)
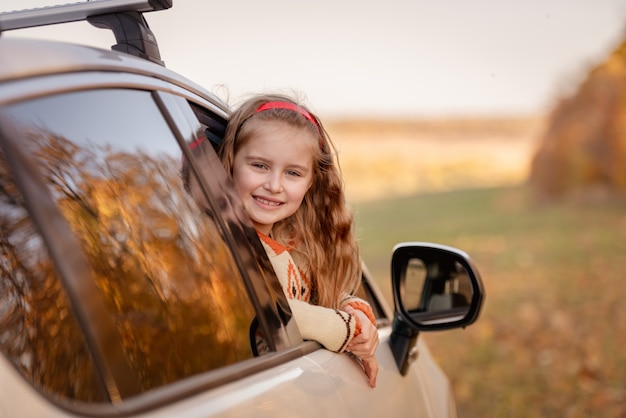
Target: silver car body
(300,380)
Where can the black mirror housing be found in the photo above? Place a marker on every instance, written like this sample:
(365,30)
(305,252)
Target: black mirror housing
(435,287)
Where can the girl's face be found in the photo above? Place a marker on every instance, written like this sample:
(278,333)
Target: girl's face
(273,171)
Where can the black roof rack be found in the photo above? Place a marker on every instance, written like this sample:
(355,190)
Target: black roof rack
(123,17)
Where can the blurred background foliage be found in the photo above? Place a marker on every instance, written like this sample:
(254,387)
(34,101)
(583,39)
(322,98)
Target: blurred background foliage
(541,208)
(584,147)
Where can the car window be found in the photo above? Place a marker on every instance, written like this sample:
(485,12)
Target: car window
(162,268)
(37,329)
(368,294)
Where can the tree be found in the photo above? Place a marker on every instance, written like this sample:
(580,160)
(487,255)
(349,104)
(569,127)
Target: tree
(585,143)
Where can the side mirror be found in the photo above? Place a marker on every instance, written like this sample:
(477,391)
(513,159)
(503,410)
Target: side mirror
(435,287)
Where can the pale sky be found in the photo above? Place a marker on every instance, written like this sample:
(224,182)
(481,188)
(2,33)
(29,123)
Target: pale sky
(373,58)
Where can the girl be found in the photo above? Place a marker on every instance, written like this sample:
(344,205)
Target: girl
(282,164)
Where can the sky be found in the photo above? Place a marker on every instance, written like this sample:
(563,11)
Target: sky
(398,58)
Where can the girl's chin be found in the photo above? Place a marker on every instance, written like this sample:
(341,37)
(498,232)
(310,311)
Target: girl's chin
(263,228)
(264,223)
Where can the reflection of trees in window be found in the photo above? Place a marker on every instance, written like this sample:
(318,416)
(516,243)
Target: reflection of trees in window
(166,275)
(37,329)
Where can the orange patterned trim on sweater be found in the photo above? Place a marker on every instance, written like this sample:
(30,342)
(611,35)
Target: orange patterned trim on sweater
(276,246)
(367,310)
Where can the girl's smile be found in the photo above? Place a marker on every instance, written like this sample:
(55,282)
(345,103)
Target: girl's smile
(273,171)
(266,202)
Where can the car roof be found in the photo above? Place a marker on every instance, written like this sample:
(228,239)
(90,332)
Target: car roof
(22,58)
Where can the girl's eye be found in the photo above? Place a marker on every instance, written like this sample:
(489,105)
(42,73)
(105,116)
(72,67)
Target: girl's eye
(293,173)
(258,165)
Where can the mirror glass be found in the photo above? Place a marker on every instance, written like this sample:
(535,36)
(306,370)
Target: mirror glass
(436,286)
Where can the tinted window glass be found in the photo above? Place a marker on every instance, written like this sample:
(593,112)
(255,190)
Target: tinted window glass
(162,267)
(38,331)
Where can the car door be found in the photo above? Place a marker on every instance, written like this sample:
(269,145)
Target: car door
(119,294)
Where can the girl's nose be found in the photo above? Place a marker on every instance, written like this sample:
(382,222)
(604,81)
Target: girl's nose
(274,183)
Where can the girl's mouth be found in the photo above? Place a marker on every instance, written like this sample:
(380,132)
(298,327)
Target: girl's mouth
(266,202)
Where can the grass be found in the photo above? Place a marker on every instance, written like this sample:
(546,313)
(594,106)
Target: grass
(551,339)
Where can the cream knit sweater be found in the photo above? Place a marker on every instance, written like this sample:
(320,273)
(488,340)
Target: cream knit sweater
(330,327)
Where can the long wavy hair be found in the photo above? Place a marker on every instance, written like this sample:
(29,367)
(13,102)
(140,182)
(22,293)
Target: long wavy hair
(320,232)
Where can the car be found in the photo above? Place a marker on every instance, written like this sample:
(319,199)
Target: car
(121,295)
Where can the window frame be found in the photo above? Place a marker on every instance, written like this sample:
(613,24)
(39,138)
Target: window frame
(95,322)
(270,302)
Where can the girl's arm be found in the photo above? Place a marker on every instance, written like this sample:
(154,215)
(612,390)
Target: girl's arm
(337,330)
(358,304)
(332,328)
(365,341)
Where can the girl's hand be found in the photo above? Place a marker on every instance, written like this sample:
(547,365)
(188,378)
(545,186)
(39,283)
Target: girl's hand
(364,345)
(370,366)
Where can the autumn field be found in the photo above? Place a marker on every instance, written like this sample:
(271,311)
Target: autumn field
(384,159)
(551,340)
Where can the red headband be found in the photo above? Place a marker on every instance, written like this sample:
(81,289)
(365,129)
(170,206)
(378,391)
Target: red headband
(289,106)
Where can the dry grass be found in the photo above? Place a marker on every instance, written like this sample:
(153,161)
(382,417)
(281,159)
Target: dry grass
(550,340)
